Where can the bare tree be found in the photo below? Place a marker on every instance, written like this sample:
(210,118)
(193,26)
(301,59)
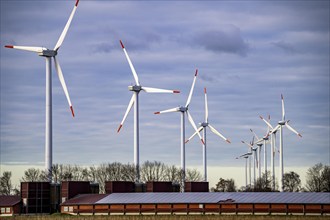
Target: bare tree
(326,179)
(5,183)
(224,185)
(291,182)
(152,171)
(263,183)
(317,179)
(193,175)
(172,174)
(32,175)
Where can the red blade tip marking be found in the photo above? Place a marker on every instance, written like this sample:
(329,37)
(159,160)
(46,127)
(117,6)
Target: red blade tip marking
(196,72)
(299,135)
(157,113)
(9,46)
(261,117)
(122,45)
(119,128)
(71,108)
(205,90)
(186,141)
(203,142)
(228,141)
(77,3)
(243,142)
(281,96)
(176,91)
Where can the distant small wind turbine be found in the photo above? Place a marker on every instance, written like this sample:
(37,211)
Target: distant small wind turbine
(135,100)
(246,156)
(202,127)
(183,110)
(48,54)
(282,123)
(255,160)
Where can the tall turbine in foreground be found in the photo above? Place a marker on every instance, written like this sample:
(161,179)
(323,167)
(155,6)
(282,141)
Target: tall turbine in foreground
(48,54)
(279,127)
(183,110)
(203,128)
(135,100)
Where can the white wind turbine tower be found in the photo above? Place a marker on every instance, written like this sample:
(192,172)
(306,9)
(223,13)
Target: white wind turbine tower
(48,54)
(183,110)
(246,156)
(279,127)
(255,162)
(135,100)
(202,127)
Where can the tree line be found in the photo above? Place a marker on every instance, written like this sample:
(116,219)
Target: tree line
(317,177)
(317,180)
(149,171)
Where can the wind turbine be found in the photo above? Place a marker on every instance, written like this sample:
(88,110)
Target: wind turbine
(246,156)
(261,142)
(135,100)
(202,127)
(255,162)
(48,54)
(279,127)
(183,110)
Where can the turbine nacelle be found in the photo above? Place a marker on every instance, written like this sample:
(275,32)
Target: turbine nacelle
(48,53)
(204,124)
(135,88)
(281,122)
(183,109)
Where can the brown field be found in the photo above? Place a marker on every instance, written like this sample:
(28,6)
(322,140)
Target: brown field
(170,217)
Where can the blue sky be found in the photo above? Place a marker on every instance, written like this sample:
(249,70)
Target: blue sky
(248,53)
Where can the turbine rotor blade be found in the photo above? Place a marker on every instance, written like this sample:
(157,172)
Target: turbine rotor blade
(192,89)
(191,120)
(219,134)
(136,78)
(61,78)
(269,125)
(283,110)
(249,145)
(293,130)
(246,154)
(254,134)
(31,49)
(155,90)
(66,28)
(168,110)
(206,107)
(130,104)
(194,134)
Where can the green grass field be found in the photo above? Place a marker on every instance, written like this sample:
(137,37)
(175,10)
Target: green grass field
(170,217)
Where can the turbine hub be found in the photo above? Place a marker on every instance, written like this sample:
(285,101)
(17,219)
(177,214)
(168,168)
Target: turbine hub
(281,122)
(48,53)
(204,124)
(135,88)
(183,109)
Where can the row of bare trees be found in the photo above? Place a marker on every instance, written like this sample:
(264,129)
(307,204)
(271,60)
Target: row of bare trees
(317,180)
(149,171)
(317,177)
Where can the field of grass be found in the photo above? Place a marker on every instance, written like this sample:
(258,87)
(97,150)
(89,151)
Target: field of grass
(169,217)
